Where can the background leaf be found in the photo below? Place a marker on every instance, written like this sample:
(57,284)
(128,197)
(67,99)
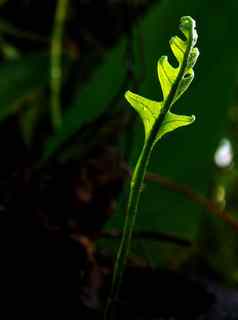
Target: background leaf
(19,79)
(91,99)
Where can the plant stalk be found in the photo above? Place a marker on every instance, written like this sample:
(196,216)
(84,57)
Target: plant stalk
(56,62)
(136,187)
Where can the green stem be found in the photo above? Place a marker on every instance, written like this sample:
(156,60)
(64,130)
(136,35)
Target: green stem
(56,57)
(134,198)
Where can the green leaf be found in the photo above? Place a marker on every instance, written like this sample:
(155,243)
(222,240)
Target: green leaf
(87,106)
(150,110)
(174,82)
(173,121)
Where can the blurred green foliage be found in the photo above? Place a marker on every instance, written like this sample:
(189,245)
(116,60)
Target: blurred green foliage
(20,79)
(186,157)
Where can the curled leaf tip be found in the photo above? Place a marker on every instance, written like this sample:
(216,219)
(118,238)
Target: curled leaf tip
(188,22)
(188,28)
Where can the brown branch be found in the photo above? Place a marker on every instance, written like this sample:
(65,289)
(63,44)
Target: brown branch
(151,235)
(191,195)
(195,197)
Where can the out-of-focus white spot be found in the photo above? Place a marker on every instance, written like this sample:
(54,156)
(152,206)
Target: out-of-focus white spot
(224,154)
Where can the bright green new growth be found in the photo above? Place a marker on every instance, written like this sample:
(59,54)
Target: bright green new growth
(174,82)
(157,120)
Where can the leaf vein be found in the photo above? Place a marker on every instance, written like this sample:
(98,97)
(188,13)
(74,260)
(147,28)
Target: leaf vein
(166,74)
(178,47)
(146,107)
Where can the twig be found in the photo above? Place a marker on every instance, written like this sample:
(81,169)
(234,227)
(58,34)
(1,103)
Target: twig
(195,197)
(56,57)
(7,28)
(191,195)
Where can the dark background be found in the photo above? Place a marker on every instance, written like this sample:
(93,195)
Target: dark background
(64,184)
